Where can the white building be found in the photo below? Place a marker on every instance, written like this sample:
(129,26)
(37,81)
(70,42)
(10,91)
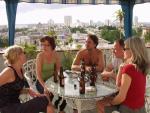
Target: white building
(136,21)
(79,39)
(68,20)
(22,40)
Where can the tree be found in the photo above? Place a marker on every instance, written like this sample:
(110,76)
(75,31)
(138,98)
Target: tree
(51,32)
(120,16)
(75,29)
(147,37)
(3,41)
(110,33)
(137,32)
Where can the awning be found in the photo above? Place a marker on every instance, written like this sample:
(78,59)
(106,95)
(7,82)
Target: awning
(126,5)
(83,1)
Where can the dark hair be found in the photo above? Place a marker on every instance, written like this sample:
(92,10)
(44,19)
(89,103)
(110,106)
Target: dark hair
(121,42)
(51,41)
(93,38)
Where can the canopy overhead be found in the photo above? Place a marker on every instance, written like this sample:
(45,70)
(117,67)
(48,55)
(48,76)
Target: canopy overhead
(126,5)
(83,1)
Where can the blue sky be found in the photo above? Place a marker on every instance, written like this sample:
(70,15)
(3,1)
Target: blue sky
(33,13)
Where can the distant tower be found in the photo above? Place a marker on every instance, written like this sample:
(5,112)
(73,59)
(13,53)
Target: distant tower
(51,22)
(107,22)
(68,20)
(136,21)
(91,23)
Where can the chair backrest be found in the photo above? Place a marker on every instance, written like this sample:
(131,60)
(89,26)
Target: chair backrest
(30,71)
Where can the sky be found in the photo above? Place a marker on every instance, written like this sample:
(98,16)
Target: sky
(28,13)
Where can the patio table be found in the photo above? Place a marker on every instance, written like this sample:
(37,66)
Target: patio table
(71,93)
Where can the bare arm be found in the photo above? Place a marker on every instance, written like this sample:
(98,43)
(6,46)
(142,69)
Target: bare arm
(58,64)
(101,63)
(6,76)
(39,69)
(125,84)
(76,63)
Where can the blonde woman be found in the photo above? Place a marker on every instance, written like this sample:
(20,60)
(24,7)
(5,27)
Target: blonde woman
(12,85)
(131,82)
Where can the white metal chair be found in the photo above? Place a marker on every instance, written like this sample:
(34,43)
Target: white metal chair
(30,72)
(30,75)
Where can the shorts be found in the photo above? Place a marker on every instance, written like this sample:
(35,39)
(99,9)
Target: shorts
(123,109)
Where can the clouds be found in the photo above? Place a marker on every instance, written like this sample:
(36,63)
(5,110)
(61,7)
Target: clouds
(28,13)
(27,7)
(84,13)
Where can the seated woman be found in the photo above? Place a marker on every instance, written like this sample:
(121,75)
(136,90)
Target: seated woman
(45,62)
(12,85)
(91,55)
(131,81)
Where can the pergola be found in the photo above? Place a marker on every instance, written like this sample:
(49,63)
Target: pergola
(126,5)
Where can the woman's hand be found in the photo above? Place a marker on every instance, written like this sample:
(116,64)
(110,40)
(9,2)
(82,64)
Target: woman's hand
(106,75)
(32,93)
(46,91)
(48,94)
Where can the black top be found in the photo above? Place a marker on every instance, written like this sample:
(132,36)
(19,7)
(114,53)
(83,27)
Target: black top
(9,92)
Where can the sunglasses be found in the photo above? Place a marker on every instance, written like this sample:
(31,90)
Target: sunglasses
(126,49)
(24,53)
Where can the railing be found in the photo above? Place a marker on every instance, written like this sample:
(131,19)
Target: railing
(107,53)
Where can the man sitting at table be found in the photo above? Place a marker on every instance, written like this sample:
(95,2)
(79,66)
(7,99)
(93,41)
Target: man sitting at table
(91,55)
(111,69)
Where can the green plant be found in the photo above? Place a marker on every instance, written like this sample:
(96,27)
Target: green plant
(111,34)
(147,37)
(78,46)
(67,59)
(31,50)
(3,41)
(137,32)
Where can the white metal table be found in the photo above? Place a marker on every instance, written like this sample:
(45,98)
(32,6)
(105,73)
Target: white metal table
(76,100)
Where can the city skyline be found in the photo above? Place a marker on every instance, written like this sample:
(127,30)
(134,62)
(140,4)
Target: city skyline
(34,13)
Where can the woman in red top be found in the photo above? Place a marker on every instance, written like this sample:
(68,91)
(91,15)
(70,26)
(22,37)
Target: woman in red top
(131,81)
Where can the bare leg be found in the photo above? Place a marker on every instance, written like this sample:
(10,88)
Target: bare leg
(100,107)
(61,112)
(50,109)
(75,111)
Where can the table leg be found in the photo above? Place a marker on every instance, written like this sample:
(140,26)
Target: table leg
(79,106)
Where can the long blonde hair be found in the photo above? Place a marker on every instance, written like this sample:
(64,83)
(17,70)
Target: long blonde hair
(12,53)
(139,52)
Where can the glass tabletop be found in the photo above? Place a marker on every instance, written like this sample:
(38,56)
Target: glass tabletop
(71,88)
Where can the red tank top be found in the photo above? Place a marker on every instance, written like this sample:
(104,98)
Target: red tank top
(136,92)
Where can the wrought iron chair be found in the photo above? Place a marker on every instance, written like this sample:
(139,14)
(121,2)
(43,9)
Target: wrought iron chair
(30,75)
(30,72)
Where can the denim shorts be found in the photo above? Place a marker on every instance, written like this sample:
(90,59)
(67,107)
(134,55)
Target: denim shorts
(124,109)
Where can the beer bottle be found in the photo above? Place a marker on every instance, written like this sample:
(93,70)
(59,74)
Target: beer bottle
(82,83)
(93,76)
(61,77)
(55,74)
(83,66)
